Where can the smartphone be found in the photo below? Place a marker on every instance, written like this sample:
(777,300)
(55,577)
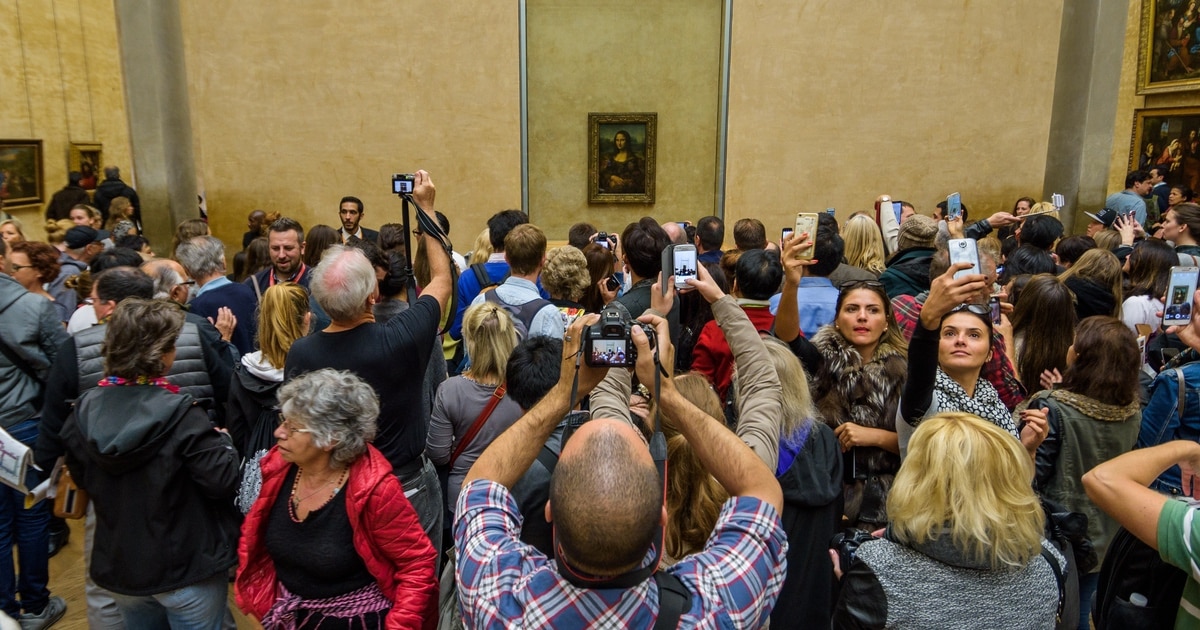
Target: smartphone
(1179,296)
(612,283)
(831,212)
(683,264)
(1058,201)
(994,307)
(806,223)
(783,236)
(964,250)
(897,209)
(953,207)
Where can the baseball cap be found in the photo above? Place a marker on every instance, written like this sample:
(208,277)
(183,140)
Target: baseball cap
(1107,216)
(82,236)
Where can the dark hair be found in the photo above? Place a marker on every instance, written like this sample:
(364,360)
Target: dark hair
(1106,354)
(501,223)
(1071,248)
(258,255)
(42,257)
(1028,259)
(74,177)
(119,283)
(1185,192)
(115,257)
(1028,200)
(239,266)
(643,243)
(131,241)
(1045,316)
(391,238)
(284,224)
(319,238)
(600,265)
(1136,177)
(580,234)
(533,368)
(395,281)
(1015,286)
(711,231)
(749,234)
(139,334)
(1150,268)
(354,200)
(371,251)
(827,250)
(443,221)
(944,207)
(1041,231)
(759,274)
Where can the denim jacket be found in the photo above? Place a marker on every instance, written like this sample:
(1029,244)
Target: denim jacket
(1161,421)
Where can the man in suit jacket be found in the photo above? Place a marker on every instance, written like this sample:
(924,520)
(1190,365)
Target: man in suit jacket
(350,212)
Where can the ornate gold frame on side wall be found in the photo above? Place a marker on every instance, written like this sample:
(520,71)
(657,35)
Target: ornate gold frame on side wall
(621,172)
(1166,62)
(1167,138)
(21,180)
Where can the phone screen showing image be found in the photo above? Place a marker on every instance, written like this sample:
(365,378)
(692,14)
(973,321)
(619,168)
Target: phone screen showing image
(898,210)
(783,236)
(1182,286)
(683,265)
(953,207)
(994,306)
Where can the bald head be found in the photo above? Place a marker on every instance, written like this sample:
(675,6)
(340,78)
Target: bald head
(605,498)
(168,277)
(675,232)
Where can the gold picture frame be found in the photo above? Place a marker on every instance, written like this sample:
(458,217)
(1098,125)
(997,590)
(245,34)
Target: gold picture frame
(21,179)
(86,159)
(1166,62)
(1167,139)
(621,157)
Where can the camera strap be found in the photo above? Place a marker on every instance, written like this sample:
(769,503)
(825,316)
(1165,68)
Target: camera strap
(431,227)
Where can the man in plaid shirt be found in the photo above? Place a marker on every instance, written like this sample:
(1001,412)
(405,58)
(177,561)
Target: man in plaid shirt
(998,370)
(607,511)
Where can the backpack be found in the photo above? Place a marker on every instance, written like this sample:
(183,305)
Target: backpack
(1132,566)
(485,281)
(522,314)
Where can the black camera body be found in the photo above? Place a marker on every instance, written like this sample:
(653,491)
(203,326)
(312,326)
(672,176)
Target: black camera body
(846,544)
(606,240)
(609,342)
(402,183)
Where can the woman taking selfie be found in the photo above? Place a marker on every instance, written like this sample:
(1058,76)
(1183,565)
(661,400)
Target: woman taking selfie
(859,366)
(332,542)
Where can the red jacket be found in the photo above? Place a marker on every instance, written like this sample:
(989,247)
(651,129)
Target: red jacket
(387,535)
(712,356)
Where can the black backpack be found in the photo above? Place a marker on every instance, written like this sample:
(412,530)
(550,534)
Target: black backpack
(1131,566)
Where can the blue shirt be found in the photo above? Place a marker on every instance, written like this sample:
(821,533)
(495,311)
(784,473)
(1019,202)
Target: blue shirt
(215,283)
(818,304)
(1127,202)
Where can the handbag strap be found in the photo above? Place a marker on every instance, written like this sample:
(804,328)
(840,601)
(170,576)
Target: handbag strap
(469,436)
(1060,576)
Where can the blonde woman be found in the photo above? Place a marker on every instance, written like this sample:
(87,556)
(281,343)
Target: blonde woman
(461,401)
(56,233)
(964,546)
(86,215)
(694,497)
(120,223)
(11,232)
(565,278)
(864,244)
(482,248)
(1096,280)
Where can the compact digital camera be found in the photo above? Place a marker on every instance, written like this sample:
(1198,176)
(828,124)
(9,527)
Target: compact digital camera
(402,183)
(609,342)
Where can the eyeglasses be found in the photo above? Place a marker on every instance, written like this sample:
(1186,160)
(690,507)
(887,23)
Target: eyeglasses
(16,267)
(859,284)
(186,282)
(290,426)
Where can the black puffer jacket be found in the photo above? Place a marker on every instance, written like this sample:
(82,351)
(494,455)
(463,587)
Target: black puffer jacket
(161,480)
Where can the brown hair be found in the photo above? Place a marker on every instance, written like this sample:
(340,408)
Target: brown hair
(1106,354)
(1045,316)
(524,247)
(42,257)
(694,497)
(139,334)
(600,263)
(1102,267)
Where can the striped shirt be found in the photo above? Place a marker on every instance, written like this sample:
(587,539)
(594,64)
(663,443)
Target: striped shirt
(504,583)
(1179,545)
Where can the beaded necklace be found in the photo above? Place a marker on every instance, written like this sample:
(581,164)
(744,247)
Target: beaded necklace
(294,502)
(158,381)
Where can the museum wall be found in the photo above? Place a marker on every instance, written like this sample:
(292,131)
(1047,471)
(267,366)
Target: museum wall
(294,108)
(622,56)
(61,83)
(830,107)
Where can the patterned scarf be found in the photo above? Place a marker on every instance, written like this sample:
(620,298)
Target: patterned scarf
(117,381)
(985,403)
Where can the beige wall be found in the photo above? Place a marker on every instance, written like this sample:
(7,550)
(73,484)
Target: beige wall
(616,57)
(294,107)
(62,83)
(830,107)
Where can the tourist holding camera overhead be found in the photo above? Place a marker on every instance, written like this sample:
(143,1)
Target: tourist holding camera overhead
(858,367)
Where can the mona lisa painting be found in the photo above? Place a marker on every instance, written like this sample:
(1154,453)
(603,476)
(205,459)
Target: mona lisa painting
(621,157)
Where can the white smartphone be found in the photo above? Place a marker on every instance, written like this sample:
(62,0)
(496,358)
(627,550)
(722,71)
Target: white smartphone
(953,207)
(806,223)
(964,250)
(1180,289)
(683,264)
(1058,201)
(783,236)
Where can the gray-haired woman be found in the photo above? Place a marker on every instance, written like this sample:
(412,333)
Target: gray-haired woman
(332,541)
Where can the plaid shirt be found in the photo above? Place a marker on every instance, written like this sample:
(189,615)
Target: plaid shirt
(504,583)
(998,370)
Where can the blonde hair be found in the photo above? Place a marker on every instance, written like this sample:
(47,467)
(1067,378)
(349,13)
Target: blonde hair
(16,223)
(1044,206)
(1107,239)
(490,336)
(482,248)
(56,231)
(118,210)
(694,497)
(968,478)
(864,244)
(95,218)
(797,405)
(1102,267)
(566,273)
(281,320)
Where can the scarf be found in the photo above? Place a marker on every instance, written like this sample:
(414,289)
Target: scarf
(985,403)
(291,611)
(158,381)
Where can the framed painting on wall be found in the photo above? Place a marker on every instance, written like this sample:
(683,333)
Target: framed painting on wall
(1169,47)
(1168,139)
(621,157)
(84,158)
(21,172)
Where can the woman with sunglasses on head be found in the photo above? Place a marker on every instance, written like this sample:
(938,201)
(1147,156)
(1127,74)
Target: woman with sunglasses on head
(332,542)
(858,369)
(946,355)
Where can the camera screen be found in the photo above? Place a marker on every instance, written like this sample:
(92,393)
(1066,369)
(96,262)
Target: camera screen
(402,186)
(608,352)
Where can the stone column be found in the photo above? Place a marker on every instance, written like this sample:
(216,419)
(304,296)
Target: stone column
(156,94)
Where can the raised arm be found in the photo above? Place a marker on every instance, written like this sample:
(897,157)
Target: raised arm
(758,390)
(1119,486)
(787,316)
(440,280)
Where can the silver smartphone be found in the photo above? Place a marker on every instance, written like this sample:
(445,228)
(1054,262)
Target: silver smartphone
(1182,286)
(806,223)
(683,264)
(964,250)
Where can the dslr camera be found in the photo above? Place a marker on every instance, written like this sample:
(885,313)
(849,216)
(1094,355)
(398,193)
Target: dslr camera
(402,183)
(609,342)
(846,544)
(606,240)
